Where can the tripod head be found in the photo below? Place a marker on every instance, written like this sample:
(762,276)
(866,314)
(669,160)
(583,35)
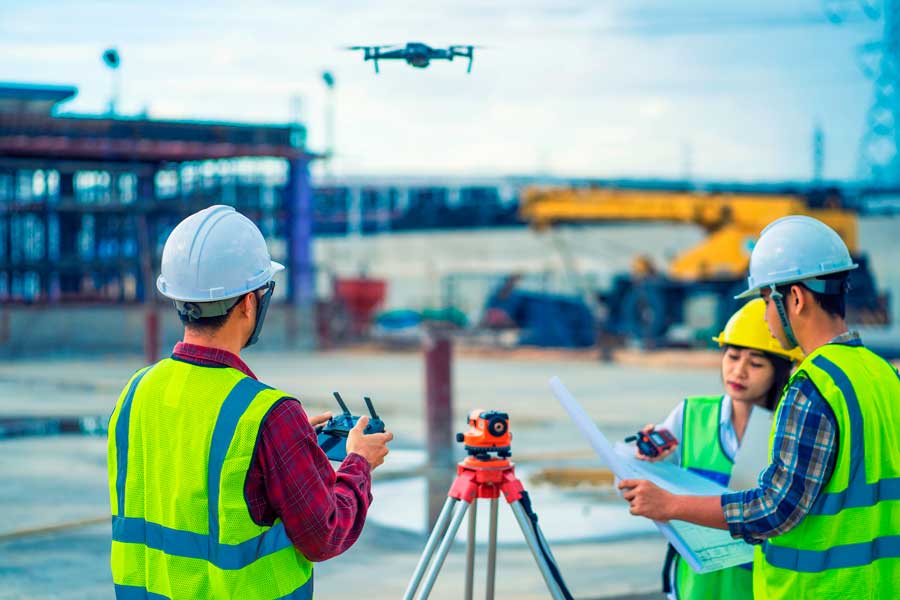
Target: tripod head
(488,434)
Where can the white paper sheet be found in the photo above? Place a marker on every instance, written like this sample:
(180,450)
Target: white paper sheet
(704,549)
(753,455)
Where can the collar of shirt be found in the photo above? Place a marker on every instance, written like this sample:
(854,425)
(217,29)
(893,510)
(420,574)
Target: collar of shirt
(725,413)
(848,338)
(206,355)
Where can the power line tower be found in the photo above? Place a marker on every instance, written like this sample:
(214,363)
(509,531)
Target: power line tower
(880,60)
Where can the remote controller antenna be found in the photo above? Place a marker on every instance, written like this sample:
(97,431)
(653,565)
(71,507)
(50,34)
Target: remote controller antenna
(370,407)
(340,402)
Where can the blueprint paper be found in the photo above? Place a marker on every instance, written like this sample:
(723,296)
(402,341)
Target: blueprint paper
(705,549)
(668,475)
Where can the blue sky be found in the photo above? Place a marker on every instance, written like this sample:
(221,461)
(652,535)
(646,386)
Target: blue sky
(603,88)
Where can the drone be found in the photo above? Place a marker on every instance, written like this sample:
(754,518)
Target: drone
(416,54)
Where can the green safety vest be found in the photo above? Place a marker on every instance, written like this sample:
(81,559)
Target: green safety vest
(702,452)
(848,544)
(181,440)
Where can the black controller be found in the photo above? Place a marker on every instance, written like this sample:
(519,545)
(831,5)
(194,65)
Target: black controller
(333,435)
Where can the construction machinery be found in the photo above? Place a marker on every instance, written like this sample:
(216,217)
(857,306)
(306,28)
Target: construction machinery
(646,303)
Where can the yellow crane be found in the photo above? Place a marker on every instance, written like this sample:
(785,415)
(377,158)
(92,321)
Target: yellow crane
(645,304)
(732,221)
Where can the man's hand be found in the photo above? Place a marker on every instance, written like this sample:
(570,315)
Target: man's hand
(662,455)
(319,419)
(372,447)
(647,500)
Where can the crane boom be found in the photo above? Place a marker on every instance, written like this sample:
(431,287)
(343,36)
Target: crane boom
(733,221)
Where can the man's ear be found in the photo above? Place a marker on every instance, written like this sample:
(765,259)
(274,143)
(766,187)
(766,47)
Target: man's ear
(798,299)
(247,304)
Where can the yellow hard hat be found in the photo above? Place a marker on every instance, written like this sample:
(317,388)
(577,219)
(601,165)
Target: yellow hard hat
(747,328)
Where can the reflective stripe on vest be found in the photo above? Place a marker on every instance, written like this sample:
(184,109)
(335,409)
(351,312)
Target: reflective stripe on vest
(122,439)
(132,592)
(860,492)
(850,524)
(701,441)
(133,532)
(702,452)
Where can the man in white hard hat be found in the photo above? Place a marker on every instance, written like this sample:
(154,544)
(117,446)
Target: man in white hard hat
(825,518)
(217,485)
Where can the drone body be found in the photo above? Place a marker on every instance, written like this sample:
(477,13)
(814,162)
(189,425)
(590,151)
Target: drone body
(416,54)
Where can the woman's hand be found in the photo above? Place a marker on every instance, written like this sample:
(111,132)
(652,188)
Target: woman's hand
(662,455)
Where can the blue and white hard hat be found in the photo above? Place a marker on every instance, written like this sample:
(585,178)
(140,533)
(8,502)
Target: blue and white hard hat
(796,249)
(214,254)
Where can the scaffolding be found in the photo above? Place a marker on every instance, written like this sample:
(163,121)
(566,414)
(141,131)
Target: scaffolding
(86,202)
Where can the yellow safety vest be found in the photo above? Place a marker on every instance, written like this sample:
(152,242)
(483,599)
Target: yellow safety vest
(181,440)
(702,452)
(848,545)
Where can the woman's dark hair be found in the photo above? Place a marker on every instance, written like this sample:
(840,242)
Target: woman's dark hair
(780,379)
(781,374)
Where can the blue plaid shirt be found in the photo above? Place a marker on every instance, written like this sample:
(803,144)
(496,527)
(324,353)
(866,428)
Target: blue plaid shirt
(802,461)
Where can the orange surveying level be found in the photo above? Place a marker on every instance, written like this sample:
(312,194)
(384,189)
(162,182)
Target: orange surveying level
(480,475)
(488,432)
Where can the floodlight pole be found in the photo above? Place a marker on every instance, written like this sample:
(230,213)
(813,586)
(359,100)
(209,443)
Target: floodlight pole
(328,79)
(116,90)
(113,61)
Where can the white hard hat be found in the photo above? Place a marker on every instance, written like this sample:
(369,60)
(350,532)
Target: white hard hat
(796,249)
(215,254)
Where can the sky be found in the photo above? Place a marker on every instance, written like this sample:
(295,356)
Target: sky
(700,89)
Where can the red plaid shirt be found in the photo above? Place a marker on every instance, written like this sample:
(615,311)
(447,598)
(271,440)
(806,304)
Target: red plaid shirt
(290,477)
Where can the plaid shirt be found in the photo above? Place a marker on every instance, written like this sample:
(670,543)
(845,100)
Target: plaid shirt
(802,461)
(290,477)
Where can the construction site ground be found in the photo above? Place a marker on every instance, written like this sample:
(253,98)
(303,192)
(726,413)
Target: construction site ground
(54,523)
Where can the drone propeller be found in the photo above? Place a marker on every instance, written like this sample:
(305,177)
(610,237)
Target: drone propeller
(371,47)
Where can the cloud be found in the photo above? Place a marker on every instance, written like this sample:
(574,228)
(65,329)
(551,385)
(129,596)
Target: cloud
(576,85)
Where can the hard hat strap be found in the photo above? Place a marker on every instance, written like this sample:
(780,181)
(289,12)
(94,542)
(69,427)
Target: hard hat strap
(261,308)
(778,298)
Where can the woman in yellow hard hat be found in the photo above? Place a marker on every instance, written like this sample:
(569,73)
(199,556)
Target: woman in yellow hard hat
(710,429)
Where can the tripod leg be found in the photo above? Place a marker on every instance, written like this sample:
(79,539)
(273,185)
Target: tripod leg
(433,539)
(459,511)
(531,540)
(542,542)
(470,551)
(492,551)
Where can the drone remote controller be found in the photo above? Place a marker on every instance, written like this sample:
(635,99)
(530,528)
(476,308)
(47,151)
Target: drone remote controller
(333,435)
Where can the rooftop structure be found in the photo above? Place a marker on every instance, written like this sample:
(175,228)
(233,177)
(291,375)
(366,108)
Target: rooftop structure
(87,201)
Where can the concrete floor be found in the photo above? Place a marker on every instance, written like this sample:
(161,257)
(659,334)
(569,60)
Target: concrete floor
(58,480)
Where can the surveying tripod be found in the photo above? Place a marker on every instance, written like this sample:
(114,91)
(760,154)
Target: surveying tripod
(481,477)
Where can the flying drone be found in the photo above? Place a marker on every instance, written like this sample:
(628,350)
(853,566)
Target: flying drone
(416,54)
